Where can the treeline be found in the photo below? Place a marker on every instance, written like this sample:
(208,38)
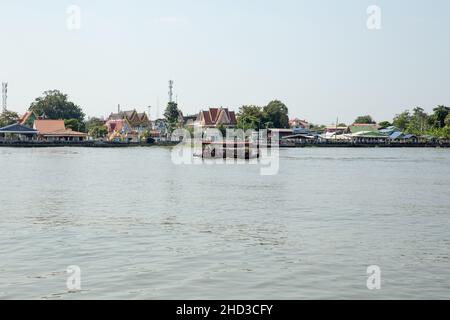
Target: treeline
(56,105)
(418,122)
(274,115)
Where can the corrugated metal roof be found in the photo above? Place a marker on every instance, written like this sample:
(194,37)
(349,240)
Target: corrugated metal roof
(395,135)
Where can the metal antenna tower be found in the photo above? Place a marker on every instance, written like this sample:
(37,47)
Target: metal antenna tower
(4,96)
(171,91)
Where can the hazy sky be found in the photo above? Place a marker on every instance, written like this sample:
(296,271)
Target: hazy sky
(317,56)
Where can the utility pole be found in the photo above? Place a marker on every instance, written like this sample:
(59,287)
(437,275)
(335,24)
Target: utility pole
(337,123)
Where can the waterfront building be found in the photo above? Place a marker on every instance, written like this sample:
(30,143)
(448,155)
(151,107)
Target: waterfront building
(281,133)
(55,130)
(336,136)
(297,139)
(369,137)
(17,132)
(120,130)
(216,117)
(160,130)
(137,121)
(127,126)
(188,121)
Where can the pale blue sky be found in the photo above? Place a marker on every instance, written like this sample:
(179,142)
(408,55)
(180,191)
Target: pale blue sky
(317,55)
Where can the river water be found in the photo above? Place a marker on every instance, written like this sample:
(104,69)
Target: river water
(140,227)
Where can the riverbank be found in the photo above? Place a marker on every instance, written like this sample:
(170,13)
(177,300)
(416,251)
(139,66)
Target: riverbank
(328,144)
(86,144)
(367,145)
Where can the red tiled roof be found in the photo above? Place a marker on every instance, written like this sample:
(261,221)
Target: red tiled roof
(214,112)
(207,118)
(133,117)
(212,116)
(233,117)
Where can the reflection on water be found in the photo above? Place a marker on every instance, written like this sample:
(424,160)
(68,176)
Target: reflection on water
(140,227)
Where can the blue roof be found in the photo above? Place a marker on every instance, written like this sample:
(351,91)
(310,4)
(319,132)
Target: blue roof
(389,130)
(18,128)
(395,135)
(301,131)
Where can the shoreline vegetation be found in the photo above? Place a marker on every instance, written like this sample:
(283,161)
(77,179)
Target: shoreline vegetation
(52,120)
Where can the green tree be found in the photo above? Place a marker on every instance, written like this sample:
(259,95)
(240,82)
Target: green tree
(222,130)
(385,124)
(172,115)
(447,120)
(276,114)
(402,120)
(248,122)
(254,111)
(55,105)
(364,120)
(446,132)
(98,131)
(440,132)
(250,117)
(7,118)
(439,116)
(418,123)
(75,125)
(92,123)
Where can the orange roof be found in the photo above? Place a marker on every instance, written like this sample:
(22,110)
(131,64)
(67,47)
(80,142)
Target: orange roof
(25,117)
(49,126)
(55,128)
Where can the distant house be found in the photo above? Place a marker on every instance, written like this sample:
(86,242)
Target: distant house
(367,133)
(188,121)
(281,133)
(216,117)
(127,126)
(55,130)
(397,135)
(17,132)
(161,126)
(298,123)
(120,130)
(333,129)
(137,121)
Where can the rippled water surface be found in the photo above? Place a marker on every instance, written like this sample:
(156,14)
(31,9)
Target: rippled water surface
(140,227)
